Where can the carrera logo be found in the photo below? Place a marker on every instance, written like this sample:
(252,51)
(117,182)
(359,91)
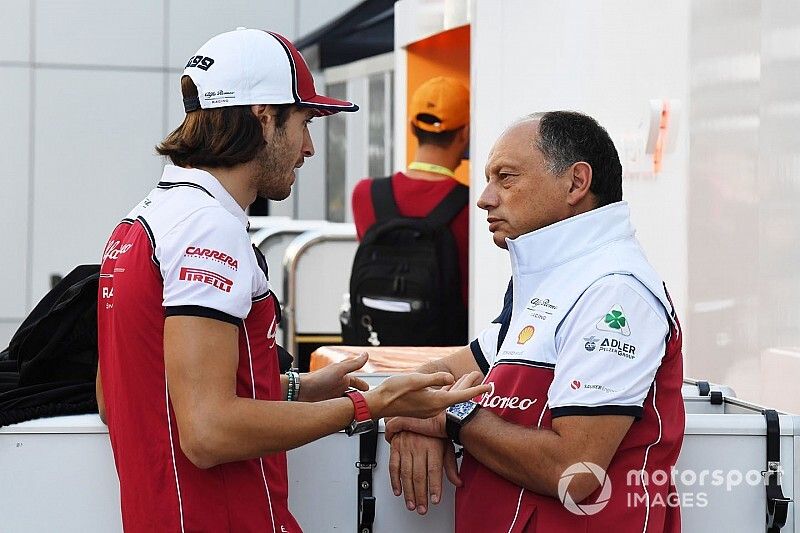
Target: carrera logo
(214,255)
(114,249)
(205,276)
(506,402)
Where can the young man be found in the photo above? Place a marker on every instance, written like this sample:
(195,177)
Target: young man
(584,361)
(440,121)
(189,378)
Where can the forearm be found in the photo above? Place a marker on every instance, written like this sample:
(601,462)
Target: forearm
(458,363)
(98,389)
(531,458)
(243,428)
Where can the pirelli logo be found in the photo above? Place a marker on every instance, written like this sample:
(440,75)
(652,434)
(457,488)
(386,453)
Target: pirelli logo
(206,276)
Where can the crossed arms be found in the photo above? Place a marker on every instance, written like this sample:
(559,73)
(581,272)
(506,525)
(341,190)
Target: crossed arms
(529,457)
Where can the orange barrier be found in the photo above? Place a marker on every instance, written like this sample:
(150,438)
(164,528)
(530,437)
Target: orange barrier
(386,359)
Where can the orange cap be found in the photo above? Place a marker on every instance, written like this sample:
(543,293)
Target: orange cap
(445,100)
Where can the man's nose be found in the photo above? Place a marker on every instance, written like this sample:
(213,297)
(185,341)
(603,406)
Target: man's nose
(308,145)
(488,198)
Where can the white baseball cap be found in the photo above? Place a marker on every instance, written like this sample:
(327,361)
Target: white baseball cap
(247,67)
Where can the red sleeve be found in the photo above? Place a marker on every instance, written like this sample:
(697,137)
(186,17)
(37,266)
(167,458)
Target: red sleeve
(363,211)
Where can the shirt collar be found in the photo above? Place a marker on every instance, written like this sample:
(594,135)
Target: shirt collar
(568,239)
(203,179)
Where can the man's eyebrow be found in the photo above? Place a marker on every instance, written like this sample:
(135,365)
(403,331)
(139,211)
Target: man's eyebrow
(500,164)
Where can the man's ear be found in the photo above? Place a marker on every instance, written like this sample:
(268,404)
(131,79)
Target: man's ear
(262,113)
(463,135)
(580,175)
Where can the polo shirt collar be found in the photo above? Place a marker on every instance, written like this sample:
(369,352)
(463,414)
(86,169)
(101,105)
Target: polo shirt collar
(207,182)
(569,239)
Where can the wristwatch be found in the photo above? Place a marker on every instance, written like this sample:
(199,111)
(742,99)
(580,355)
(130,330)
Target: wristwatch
(362,421)
(456,416)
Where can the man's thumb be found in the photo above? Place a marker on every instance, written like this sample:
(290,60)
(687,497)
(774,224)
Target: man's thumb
(354,363)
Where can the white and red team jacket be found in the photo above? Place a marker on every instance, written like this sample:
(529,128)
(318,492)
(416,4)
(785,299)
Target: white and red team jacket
(184,250)
(587,329)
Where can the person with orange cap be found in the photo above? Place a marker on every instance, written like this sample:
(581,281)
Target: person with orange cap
(439,117)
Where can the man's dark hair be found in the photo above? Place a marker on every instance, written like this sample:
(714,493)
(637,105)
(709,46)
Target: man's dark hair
(221,137)
(442,139)
(566,137)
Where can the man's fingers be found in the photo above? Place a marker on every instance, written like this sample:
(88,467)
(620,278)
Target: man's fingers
(420,480)
(468,380)
(437,379)
(354,363)
(451,466)
(415,425)
(457,396)
(394,470)
(435,475)
(394,426)
(406,475)
(358,383)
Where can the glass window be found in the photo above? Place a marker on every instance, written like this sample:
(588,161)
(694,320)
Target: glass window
(335,157)
(377,125)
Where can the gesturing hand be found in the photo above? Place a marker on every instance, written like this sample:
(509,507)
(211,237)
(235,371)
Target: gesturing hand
(331,381)
(412,395)
(433,426)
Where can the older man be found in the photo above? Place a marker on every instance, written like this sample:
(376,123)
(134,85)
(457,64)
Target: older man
(584,361)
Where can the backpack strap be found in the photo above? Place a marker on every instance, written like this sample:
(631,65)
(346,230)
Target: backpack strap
(367,450)
(448,208)
(383,199)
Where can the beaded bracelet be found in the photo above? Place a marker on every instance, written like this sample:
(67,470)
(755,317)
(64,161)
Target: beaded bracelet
(293,390)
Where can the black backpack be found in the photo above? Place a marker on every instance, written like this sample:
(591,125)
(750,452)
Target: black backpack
(405,286)
(50,364)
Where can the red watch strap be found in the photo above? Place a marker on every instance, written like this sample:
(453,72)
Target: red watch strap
(360,403)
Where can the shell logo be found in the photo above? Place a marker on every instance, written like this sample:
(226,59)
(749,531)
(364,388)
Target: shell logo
(525,335)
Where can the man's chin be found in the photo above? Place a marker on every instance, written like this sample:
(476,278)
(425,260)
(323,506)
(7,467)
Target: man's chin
(499,239)
(277,195)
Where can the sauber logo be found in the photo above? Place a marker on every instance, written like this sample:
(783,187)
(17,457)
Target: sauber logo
(114,249)
(208,253)
(205,276)
(506,402)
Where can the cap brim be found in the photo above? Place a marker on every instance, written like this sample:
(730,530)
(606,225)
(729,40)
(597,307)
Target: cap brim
(325,105)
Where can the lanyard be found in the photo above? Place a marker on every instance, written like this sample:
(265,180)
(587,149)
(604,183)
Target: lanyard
(430,167)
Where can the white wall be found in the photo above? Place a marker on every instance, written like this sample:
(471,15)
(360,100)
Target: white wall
(744,281)
(89,87)
(606,59)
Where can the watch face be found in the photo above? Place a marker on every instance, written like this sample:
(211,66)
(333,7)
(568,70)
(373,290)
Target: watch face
(461,410)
